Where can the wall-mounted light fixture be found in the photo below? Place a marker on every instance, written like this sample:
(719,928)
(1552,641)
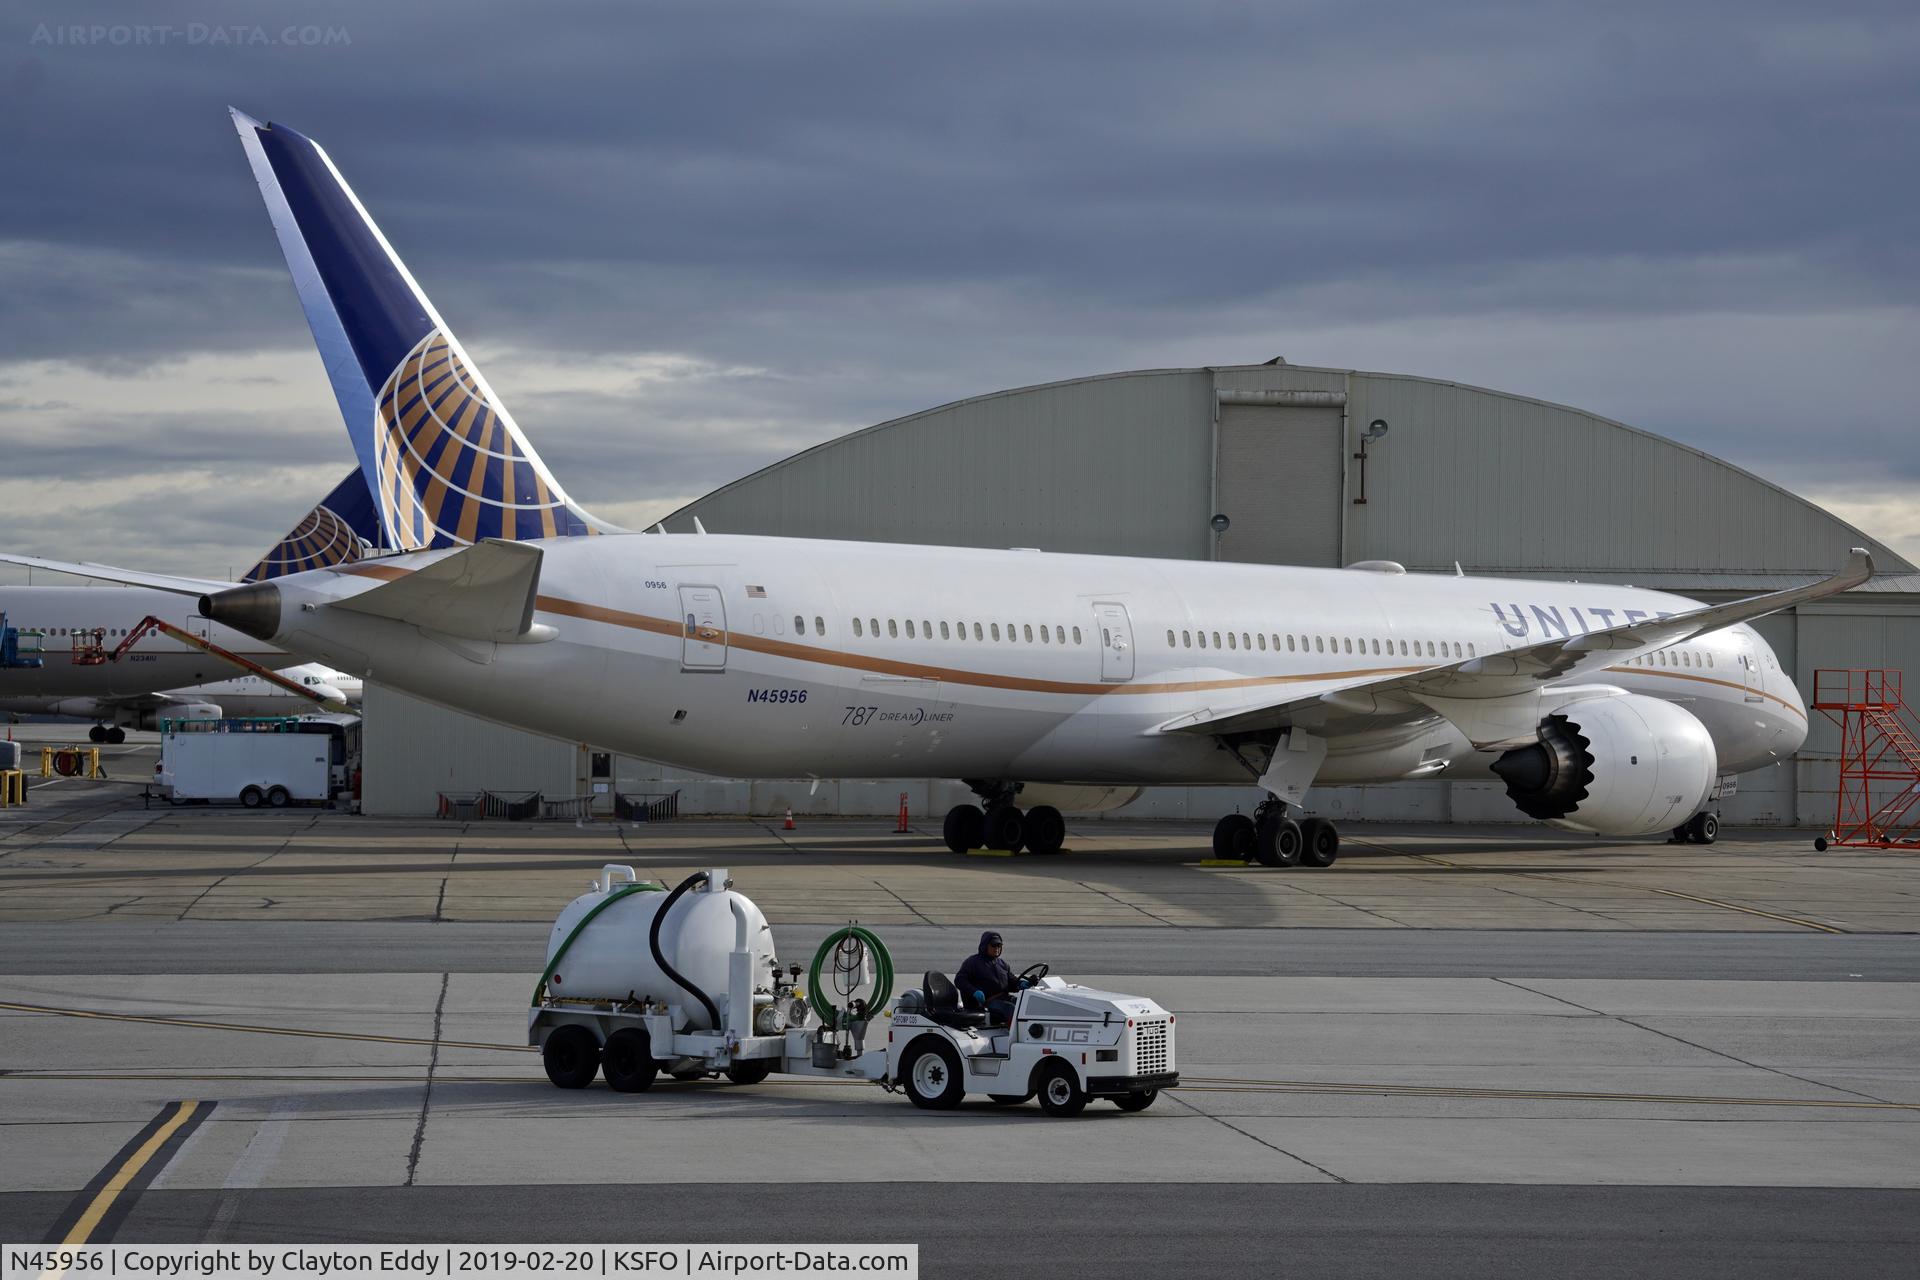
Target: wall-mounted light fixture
(1376,430)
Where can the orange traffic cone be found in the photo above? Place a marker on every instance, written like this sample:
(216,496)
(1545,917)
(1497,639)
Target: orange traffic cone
(788,825)
(901,829)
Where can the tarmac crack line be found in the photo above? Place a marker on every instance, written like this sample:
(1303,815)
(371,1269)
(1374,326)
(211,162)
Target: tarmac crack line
(1718,1053)
(891,893)
(426,1096)
(1132,906)
(1298,1159)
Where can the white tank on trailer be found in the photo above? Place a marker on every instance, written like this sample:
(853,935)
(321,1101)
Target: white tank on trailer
(610,958)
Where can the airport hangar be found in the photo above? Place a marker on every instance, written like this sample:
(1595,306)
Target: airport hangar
(1141,463)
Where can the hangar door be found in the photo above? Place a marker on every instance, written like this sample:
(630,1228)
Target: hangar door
(1279,472)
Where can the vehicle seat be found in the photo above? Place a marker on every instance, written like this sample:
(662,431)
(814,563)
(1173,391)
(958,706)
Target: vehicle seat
(943,1002)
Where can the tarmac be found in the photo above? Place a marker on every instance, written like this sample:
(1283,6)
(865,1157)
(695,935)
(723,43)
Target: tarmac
(1501,1051)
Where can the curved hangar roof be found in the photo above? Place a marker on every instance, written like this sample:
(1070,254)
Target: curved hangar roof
(1139,463)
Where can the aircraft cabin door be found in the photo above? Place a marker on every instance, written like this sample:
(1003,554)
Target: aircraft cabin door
(703,618)
(1116,641)
(1750,671)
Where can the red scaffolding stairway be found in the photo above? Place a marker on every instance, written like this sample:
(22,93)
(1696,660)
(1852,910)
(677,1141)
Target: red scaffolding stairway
(1877,800)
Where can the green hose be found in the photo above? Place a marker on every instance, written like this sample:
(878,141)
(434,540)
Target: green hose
(882,972)
(639,886)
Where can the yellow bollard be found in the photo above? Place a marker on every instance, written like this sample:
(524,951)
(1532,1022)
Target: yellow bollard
(13,788)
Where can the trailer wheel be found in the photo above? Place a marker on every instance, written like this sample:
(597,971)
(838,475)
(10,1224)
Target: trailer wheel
(750,1070)
(1136,1101)
(930,1070)
(251,797)
(627,1061)
(571,1055)
(277,797)
(1060,1091)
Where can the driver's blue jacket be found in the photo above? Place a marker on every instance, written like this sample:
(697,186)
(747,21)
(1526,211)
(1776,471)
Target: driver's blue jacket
(980,973)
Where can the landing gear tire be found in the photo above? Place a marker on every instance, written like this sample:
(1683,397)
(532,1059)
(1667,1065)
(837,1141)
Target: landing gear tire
(750,1070)
(965,827)
(1277,841)
(1703,828)
(931,1075)
(1136,1101)
(1006,828)
(116,736)
(1319,842)
(627,1061)
(98,733)
(1233,838)
(1046,829)
(571,1056)
(1060,1091)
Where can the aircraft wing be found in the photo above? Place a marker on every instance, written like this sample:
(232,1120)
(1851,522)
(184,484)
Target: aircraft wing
(129,577)
(1514,671)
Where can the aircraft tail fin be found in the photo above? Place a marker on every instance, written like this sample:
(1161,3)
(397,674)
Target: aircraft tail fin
(343,528)
(441,456)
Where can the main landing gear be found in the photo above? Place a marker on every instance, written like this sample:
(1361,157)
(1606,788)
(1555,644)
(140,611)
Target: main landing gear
(1701,828)
(1273,839)
(107,733)
(1001,824)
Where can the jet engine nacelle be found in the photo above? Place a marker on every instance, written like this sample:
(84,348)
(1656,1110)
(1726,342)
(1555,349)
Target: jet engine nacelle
(1616,765)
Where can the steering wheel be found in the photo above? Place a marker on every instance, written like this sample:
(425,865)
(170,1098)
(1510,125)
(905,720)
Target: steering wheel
(1032,974)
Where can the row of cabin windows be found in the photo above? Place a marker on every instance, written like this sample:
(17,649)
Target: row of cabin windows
(1673,658)
(1320,644)
(1016,632)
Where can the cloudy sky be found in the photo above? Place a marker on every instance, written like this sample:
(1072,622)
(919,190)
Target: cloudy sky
(686,240)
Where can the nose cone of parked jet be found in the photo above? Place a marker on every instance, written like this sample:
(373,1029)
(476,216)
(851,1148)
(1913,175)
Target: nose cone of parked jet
(252,610)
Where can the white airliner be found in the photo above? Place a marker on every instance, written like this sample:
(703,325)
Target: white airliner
(1603,709)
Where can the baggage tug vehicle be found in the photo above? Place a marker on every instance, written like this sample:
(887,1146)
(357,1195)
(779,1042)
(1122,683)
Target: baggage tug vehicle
(611,1003)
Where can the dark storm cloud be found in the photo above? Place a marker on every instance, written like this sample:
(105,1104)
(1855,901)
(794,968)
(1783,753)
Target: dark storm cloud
(847,213)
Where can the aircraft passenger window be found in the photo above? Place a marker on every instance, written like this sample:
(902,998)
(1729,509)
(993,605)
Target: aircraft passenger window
(875,624)
(1349,644)
(976,633)
(1203,639)
(1470,652)
(893,629)
(1059,634)
(1171,642)
(1709,657)
(856,626)
(926,629)
(909,628)
(1403,648)
(1028,628)
(1263,644)
(1186,639)
(996,631)
(1045,638)
(1231,642)
(1376,648)
(1013,632)
(943,631)
(1106,636)
(1289,644)
(799,625)
(1076,635)
(1216,639)
(1318,646)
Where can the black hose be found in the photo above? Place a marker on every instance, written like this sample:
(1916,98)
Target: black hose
(653,945)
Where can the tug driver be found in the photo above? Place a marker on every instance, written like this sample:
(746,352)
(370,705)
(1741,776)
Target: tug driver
(986,973)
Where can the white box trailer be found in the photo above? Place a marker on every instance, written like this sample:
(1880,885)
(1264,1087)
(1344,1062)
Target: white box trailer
(297,760)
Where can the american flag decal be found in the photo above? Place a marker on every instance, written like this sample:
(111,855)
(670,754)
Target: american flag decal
(756,593)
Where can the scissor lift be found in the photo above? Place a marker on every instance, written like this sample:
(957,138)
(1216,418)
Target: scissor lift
(1877,800)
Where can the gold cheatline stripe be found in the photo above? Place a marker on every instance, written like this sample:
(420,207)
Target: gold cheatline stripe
(1752,911)
(257,1030)
(183,1111)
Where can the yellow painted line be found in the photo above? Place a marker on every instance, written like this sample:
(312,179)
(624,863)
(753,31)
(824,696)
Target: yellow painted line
(1751,911)
(258,1030)
(131,1166)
